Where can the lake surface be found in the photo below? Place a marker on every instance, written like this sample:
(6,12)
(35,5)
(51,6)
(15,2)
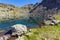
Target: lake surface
(7,25)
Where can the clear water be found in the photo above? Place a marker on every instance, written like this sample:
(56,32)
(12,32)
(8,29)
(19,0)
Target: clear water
(7,25)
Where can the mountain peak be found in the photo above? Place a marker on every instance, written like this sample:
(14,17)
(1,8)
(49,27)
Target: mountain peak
(51,3)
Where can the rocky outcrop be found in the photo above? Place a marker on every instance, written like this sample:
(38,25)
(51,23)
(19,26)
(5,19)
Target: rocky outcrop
(51,3)
(42,10)
(19,29)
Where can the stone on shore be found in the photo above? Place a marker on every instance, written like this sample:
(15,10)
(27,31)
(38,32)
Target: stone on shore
(19,29)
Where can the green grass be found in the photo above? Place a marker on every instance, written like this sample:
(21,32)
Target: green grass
(48,32)
(45,33)
(57,17)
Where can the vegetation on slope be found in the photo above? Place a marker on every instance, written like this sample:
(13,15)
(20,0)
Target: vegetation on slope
(57,17)
(45,33)
(10,13)
(48,32)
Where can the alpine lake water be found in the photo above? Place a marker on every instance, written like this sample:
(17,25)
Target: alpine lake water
(7,26)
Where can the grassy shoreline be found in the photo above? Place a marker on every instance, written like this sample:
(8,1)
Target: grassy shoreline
(45,33)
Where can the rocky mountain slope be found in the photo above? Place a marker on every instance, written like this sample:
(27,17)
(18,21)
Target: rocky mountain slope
(9,13)
(51,3)
(49,6)
(52,6)
(41,11)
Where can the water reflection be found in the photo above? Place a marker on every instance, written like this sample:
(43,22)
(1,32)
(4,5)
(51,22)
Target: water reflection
(7,25)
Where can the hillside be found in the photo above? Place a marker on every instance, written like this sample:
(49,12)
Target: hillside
(45,33)
(38,12)
(49,7)
(10,13)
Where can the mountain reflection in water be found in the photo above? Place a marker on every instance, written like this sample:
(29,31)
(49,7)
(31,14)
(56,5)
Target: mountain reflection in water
(7,25)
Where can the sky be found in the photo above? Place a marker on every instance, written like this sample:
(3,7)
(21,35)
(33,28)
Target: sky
(20,2)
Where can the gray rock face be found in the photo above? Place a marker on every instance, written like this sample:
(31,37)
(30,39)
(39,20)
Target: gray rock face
(42,10)
(19,29)
(51,3)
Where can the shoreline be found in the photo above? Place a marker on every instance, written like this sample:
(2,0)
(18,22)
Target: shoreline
(2,32)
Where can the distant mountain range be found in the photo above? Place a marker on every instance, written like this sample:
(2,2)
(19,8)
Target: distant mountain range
(10,13)
(40,11)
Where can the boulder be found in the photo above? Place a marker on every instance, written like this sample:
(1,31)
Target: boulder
(56,21)
(48,23)
(19,29)
(4,37)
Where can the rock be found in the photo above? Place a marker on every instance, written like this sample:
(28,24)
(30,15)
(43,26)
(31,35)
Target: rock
(19,29)
(4,37)
(42,10)
(19,38)
(56,21)
(1,38)
(51,3)
(48,22)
